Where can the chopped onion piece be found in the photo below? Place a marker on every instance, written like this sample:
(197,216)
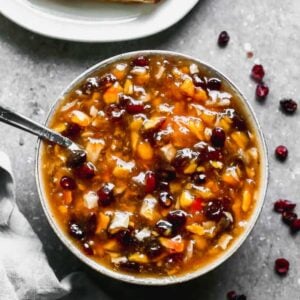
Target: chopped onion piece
(143,234)
(119,221)
(91,200)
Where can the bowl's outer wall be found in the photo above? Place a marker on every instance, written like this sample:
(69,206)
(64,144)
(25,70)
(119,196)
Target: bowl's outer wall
(171,279)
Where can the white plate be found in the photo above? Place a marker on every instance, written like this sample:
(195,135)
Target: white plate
(95,21)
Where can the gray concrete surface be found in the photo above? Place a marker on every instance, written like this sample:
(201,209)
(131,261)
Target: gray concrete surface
(34,69)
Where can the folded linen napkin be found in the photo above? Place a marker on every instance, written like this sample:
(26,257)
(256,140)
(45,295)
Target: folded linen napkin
(24,271)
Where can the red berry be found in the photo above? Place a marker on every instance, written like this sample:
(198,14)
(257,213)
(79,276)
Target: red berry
(231,295)
(141,61)
(150,182)
(165,199)
(67,183)
(106,194)
(198,178)
(258,72)
(295,226)
(76,158)
(281,153)
(72,130)
(288,106)
(282,205)
(85,171)
(289,217)
(214,210)
(198,81)
(197,205)
(87,248)
(177,218)
(282,266)
(262,91)
(218,137)
(214,84)
(223,39)
(114,112)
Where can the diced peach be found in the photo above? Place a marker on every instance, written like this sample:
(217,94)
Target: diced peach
(240,138)
(200,95)
(68,197)
(128,87)
(145,151)
(134,140)
(60,127)
(120,71)
(208,118)
(168,152)
(111,245)
(80,118)
(186,199)
(188,87)
(225,123)
(196,127)
(246,200)
(112,93)
(200,242)
(103,222)
(176,244)
(139,258)
(63,209)
(123,168)
(196,229)
(231,177)
(191,168)
(93,149)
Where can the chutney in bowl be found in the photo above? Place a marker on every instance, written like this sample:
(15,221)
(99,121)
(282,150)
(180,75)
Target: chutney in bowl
(175,171)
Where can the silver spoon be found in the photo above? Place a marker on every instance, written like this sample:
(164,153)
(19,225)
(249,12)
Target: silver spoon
(9,117)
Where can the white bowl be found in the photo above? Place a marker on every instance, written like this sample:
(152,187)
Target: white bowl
(237,242)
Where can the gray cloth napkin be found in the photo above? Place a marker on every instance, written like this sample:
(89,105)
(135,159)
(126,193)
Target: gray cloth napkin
(24,271)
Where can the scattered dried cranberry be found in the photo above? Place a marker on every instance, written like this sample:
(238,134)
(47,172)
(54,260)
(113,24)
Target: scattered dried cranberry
(89,86)
(282,266)
(238,122)
(165,199)
(213,154)
(183,158)
(295,226)
(72,130)
(90,225)
(106,194)
(177,218)
(76,158)
(153,248)
(124,237)
(232,295)
(214,210)
(197,205)
(106,81)
(131,105)
(198,178)
(87,248)
(281,153)
(289,217)
(164,228)
(150,182)
(282,205)
(223,39)
(218,137)
(76,230)
(214,84)
(198,81)
(166,175)
(115,112)
(141,61)
(258,72)
(262,91)
(288,106)
(85,171)
(67,183)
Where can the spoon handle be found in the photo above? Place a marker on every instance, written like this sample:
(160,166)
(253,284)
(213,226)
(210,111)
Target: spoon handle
(9,117)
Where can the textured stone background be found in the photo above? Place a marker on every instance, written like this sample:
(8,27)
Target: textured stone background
(34,69)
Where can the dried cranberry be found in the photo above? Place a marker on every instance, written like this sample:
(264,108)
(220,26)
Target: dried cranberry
(262,91)
(165,199)
(288,106)
(72,130)
(114,112)
(173,260)
(141,61)
(131,105)
(106,194)
(153,248)
(281,153)
(197,205)
(289,217)
(164,228)
(214,84)
(166,175)
(67,183)
(76,158)
(85,171)
(198,178)
(282,266)
(282,205)
(198,81)
(177,218)
(90,225)
(124,237)
(75,230)
(89,86)
(106,81)
(238,122)
(150,182)
(223,39)
(218,137)
(214,210)
(87,248)
(213,154)
(295,226)
(232,295)
(130,266)
(258,72)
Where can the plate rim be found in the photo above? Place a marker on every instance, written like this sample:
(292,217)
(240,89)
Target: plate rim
(20,17)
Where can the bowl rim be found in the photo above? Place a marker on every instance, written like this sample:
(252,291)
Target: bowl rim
(159,281)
